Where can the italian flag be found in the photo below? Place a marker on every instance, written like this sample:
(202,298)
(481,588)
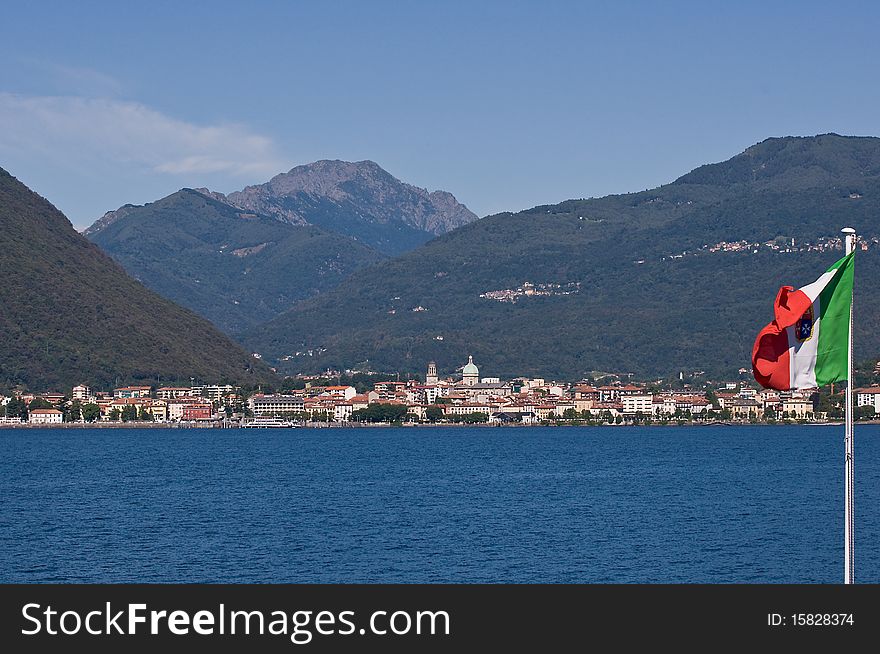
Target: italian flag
(807,345)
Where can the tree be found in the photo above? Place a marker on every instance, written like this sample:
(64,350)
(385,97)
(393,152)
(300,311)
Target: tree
(865,412)
(570,414)
(16,408)
(434,413)
(115,414)
(129,413)
(39,403)
(712,398)
(91,412)
(74,411)
(378,412)
(144,415)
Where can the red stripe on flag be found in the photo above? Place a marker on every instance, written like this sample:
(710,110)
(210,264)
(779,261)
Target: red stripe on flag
(771,364)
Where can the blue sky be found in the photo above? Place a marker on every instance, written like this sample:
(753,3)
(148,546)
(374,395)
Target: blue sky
(507,105)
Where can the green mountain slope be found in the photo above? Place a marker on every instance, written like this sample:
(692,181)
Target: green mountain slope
(70,314)
(235,268)
(638,289)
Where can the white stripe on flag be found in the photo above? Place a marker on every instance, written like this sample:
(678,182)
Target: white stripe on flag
(802,354)
(812,290)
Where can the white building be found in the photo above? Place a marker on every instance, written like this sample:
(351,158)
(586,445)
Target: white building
(342,411)
(470,374)
(213,392)
(633,404)
(431,376)
(664,405)
(45,416)
(344,393)
(466,409)
(174,392)
(81,392)
(868,397)
(276,405)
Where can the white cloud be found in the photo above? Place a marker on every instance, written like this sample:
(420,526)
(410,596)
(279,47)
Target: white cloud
(77,132)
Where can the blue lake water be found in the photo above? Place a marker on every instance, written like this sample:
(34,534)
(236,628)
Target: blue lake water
(678,504)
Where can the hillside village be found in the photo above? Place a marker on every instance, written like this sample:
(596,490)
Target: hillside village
(465,397)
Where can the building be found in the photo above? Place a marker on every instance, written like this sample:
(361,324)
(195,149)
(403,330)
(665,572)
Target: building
(214,392)
(603,409)
(512,415)
(173,392)
(635,404)
(482,392)
(339,392)
(81,393)
(609,393)
(197,411)
(174,408)
(276,405)
(869,397)
(45,416)
(470,374)
(132,391)
(54,399)
(158,409)
(467,409)
(585,392)
(743,409)
(796,407)
(431,377)
(664,405)
(359,402)
(342,411)
(389,390)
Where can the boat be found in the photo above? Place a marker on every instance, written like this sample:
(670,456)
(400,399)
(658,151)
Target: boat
(267,422)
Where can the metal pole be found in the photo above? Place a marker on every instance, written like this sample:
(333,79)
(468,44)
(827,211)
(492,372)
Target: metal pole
(848,535)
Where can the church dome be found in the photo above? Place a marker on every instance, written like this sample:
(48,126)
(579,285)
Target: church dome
(470,369)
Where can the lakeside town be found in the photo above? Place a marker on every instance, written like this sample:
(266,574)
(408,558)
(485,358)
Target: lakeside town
(463,398)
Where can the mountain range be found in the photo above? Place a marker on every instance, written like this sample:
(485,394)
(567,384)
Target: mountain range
(243,258)
(677,278)
(69,314)
(360,200)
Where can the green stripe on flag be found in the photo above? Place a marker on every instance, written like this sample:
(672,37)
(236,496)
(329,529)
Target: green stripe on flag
(834,304)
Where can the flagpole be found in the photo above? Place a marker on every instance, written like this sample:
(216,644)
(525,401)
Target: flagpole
(849,545)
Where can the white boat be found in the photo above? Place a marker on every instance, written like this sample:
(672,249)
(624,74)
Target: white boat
(266,422)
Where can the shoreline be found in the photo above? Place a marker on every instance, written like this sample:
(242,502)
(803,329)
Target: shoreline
(359,425)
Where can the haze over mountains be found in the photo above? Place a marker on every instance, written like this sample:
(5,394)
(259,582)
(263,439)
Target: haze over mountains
(640,283)
(244,258)
(69,314)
